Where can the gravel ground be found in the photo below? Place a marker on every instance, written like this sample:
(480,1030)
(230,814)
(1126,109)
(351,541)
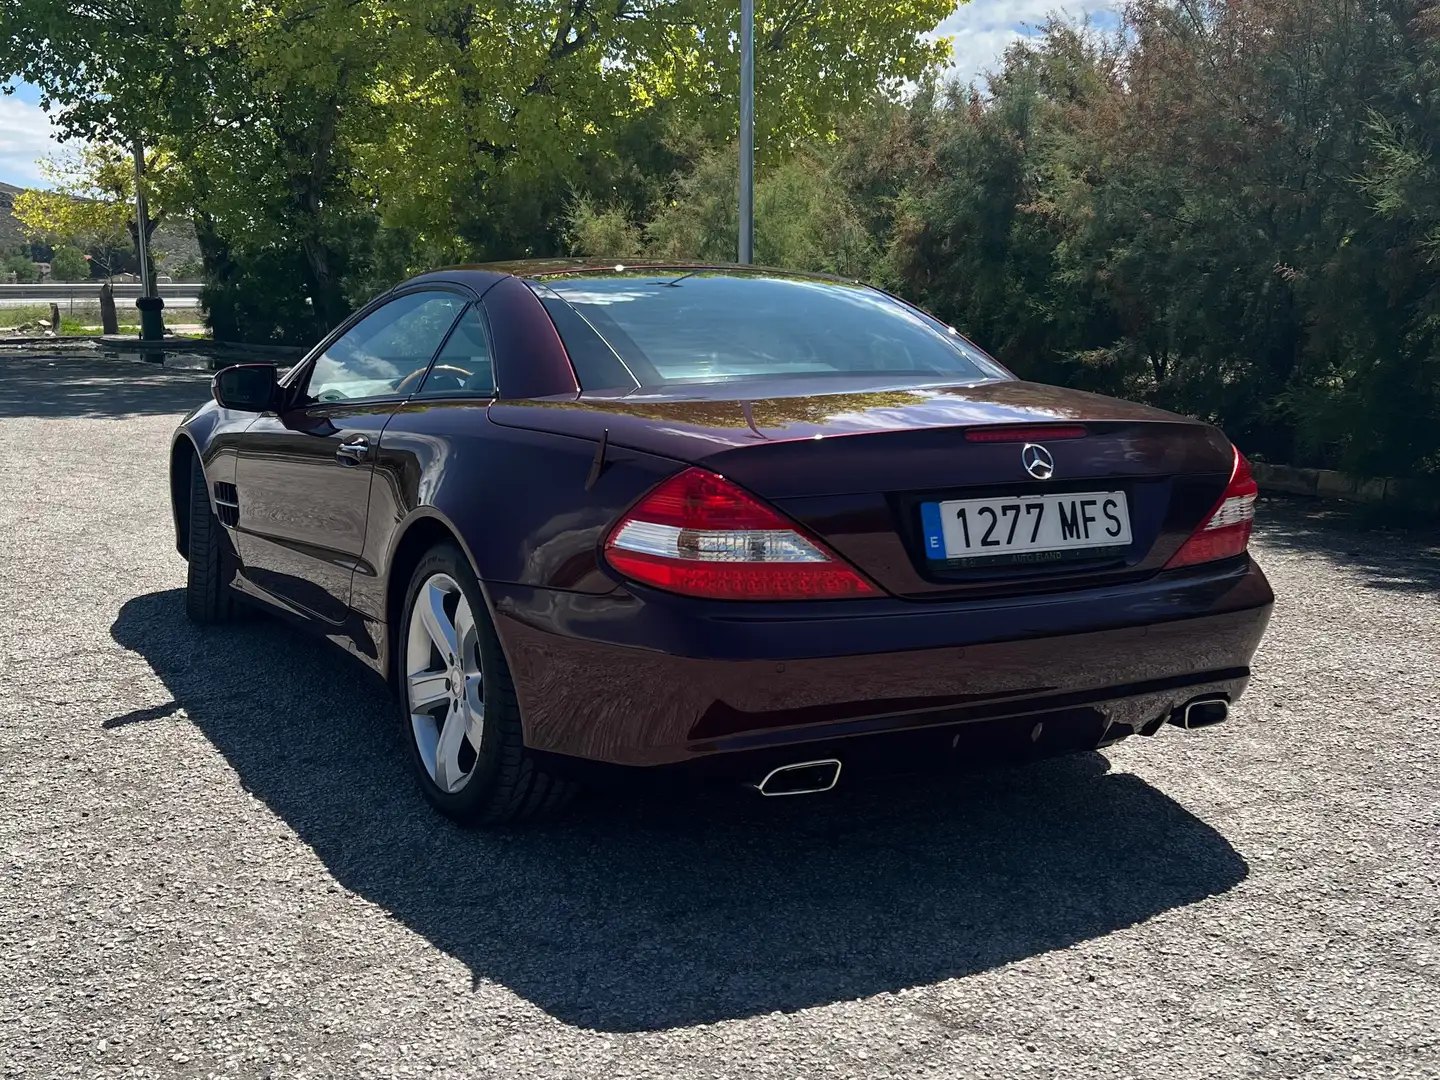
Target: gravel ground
(213,864)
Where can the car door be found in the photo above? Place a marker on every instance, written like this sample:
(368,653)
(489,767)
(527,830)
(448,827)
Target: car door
(437,424)
(303,474)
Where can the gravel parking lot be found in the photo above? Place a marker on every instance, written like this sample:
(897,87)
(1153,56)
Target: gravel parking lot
(212,862)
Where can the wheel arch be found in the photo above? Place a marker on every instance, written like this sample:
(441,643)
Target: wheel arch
(426,528)
(184,459)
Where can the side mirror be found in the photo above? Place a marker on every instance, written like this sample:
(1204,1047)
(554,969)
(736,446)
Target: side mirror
(246,387)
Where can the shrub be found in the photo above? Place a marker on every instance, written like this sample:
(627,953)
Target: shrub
(69,264)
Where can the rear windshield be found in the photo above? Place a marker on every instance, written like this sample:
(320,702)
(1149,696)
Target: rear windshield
(660,328)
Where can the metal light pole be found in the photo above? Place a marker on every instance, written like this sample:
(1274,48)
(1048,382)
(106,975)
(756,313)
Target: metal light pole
(747,131)
(142,218)
(152,326)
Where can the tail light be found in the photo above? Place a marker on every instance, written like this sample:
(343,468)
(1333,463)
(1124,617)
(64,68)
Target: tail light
(1033,433)
(1226,532)
(698,534)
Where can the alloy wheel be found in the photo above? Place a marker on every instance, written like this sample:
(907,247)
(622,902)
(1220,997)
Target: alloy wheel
(444,685)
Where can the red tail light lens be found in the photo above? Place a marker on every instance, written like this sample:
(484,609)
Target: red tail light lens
(1226,532)
(698,534)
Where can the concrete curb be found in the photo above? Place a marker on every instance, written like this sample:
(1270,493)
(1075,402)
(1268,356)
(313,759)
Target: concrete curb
(200,345)
(165,344)
(1329,484)
(280,352)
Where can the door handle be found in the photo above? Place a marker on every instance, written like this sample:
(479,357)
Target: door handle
(351,452)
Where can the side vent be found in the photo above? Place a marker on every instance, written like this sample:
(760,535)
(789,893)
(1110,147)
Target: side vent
(227,504)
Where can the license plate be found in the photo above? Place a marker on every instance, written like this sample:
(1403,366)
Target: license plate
(1021,526)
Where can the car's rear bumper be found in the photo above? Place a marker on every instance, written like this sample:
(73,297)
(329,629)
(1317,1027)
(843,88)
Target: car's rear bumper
(653,680)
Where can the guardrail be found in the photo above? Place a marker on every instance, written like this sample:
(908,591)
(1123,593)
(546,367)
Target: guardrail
(54,291)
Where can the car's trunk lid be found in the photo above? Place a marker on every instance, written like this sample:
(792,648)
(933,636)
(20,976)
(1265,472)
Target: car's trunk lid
(857,469)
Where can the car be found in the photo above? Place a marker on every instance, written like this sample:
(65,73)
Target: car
(716,524)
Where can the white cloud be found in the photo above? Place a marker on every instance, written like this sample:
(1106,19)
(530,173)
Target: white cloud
(25,136)
(982,30)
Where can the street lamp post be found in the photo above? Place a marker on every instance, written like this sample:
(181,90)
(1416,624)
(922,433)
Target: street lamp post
(747,131)
(152,325)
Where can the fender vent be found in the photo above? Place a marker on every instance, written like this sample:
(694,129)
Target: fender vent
(227,504)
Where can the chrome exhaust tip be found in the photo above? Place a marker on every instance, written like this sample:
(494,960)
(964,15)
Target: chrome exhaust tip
(802,778)
(1202,712)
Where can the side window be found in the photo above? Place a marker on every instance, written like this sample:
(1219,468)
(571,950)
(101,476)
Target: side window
(464,364)
(386,352)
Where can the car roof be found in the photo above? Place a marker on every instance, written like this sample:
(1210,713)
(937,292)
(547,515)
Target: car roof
(480,276)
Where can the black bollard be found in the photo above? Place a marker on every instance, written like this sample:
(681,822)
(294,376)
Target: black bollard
(152,324)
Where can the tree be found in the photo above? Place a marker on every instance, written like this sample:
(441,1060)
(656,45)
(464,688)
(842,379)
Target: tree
(21,266)
(91,200)
(804,219)
(1227,209)
(436,129)
(469,125)
(69,264)
(491,92)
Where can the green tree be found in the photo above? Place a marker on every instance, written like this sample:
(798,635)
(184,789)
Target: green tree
(19,265)
(606,232)
(804,218)
(69,264)
(435,129)
(1226,209)
(91,198)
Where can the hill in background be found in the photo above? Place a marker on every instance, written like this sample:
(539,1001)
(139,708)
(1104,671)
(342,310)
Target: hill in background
(174,239)
(11,235)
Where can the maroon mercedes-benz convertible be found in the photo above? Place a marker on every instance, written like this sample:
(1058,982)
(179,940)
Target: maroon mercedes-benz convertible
(717,523)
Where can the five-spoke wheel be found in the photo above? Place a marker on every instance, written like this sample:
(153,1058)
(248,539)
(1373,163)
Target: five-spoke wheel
(462,722)
(444,682)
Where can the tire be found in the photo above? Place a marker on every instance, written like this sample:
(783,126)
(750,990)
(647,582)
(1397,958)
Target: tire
(499,780)
(212,563)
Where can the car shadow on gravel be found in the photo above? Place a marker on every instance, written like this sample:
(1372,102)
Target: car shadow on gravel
(87,387)
(643,913)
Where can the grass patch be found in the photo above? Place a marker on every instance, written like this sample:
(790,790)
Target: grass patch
(17,316)
(84,320)
(91,330)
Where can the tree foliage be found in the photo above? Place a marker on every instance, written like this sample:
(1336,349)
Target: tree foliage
(90,200)
(69,264)
(804,218)
(21,267)
(1227,207)
(352,141)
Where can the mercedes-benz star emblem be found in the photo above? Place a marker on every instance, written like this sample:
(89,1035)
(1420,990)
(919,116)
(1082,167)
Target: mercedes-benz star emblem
(1037,461)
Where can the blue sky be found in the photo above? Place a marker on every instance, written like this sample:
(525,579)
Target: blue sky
(982,29)
(24,136)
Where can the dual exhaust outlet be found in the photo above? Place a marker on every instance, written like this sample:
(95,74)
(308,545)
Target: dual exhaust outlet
(814,777)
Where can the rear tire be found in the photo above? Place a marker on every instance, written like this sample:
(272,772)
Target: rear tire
(209,599)
(481,772)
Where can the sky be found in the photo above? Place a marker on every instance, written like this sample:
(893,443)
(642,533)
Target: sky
(981,31)
(25,136)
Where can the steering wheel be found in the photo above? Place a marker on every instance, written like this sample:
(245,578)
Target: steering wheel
(442,377)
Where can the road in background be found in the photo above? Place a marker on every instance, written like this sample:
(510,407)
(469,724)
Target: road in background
(70,295)
(55,291)
(215,863)
(122,304)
